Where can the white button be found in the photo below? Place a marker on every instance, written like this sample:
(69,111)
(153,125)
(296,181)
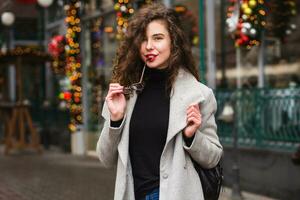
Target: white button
(165,176)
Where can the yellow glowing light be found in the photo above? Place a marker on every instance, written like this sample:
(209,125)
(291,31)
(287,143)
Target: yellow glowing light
(262,12)
(248,11)
(61,95)
(78,89)
(180,9)
(117,6)
(108,29)
(79,118)
(252,3)
(131,10)
(120,22)
(72,127)
(244,6)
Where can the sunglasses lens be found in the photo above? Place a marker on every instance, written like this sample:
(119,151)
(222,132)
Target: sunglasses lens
(138,87)
(127,90)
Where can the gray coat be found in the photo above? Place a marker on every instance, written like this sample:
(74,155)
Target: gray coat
(178,178)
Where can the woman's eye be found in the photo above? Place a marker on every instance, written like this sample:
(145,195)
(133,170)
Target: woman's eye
(158,38)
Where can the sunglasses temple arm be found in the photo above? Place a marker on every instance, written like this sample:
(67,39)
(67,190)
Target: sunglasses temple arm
(141,79)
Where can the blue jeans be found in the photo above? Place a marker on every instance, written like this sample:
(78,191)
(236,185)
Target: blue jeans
(153,195)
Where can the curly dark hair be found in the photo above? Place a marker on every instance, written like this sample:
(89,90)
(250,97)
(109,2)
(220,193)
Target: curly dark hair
(128,63)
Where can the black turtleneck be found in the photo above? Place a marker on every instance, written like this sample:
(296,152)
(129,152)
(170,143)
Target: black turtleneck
(148,132)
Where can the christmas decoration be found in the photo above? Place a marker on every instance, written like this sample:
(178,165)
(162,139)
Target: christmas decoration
(246,19)
(20,51)
(280,24)
(123,10)
(56,45)
(73,65)
(56,48)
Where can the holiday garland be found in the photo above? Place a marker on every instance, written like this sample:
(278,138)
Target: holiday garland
(246,19)
(73,65)
(124,10)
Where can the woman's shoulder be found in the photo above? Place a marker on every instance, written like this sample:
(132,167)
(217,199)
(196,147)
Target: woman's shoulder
(190,80)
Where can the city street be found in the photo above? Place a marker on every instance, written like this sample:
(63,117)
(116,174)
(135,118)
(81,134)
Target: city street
(53,175)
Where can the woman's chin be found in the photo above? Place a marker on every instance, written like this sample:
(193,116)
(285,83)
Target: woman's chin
(155,65)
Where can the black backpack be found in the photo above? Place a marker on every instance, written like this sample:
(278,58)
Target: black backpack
(211,180)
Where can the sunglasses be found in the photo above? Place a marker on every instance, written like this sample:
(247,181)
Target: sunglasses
(137,87)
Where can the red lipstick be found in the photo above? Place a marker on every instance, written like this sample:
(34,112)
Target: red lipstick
(150,57)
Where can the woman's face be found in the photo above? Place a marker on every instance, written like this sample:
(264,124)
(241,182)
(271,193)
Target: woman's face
(155,49)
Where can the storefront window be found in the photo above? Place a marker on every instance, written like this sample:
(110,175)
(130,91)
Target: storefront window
(102,49)
(279,56)
(56,11)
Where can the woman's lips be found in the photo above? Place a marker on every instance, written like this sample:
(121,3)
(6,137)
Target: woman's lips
(150,57)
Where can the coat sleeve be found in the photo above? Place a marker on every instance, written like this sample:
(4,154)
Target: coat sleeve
(206,148)
(107,144)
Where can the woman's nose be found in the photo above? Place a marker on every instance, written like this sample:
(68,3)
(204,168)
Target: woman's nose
(149,45)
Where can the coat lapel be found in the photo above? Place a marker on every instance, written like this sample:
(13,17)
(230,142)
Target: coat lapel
(186,91)
(124,142)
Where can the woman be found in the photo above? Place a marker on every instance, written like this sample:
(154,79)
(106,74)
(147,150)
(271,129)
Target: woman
(157,115)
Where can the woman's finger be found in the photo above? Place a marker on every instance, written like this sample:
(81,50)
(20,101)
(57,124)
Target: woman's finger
(114,85)
(193,118)
(111,94)
(194,106)
(193,114)
(193,110)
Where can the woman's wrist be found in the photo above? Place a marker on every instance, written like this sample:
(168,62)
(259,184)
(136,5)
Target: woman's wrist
(116,124)
(117,117)
(188,140)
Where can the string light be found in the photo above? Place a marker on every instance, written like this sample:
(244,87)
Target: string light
(73,65)
(20,51)
(124,10)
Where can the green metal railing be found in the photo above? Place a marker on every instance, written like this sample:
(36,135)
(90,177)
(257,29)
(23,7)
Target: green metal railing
(264,118)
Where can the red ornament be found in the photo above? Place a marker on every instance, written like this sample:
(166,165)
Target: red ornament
(56,45)
(67,95)
(119,14)
(239,25)
(77,100)
(244,37)
(239,41)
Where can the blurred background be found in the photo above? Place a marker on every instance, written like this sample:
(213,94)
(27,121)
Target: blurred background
(56,59)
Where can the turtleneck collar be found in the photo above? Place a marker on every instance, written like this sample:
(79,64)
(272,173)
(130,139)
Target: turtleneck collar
(156,74)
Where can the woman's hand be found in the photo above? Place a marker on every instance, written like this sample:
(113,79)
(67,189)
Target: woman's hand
(193,120)
(116,101)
